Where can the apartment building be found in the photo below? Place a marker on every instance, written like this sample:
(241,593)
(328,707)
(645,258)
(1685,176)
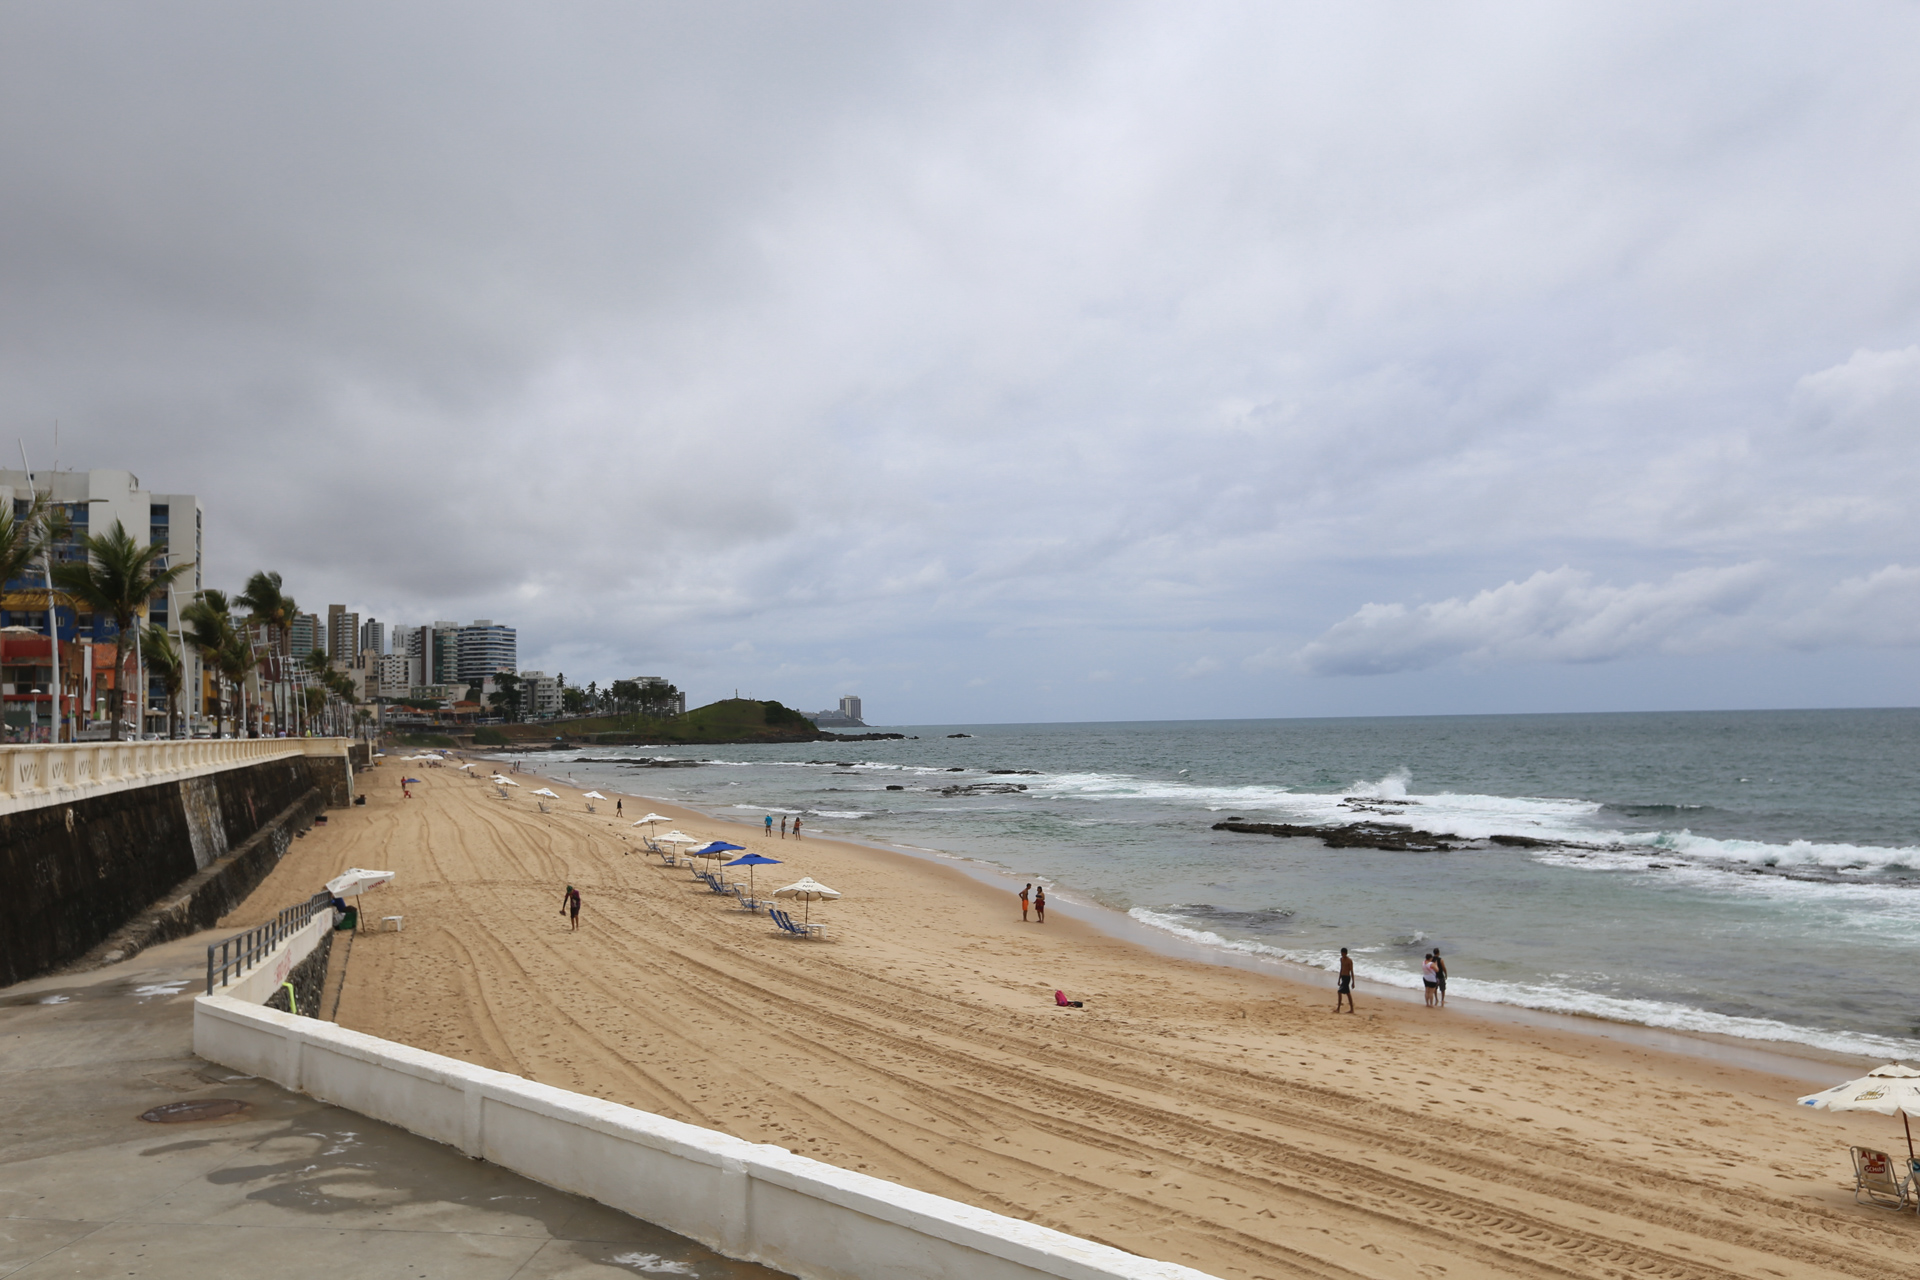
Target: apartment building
(90,502)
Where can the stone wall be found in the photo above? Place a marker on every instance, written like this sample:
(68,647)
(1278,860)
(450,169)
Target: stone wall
(180,852)
(309,979)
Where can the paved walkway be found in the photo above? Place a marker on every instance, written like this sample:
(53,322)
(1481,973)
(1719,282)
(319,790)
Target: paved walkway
(287,1188)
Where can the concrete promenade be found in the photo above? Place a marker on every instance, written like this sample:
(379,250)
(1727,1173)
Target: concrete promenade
(289,1187)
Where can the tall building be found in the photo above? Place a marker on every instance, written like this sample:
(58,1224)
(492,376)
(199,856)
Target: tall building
(540,693)
(343,634)
(91,502)
(394,676)
(485,648)
(850,706)
(373,637)
(304,635)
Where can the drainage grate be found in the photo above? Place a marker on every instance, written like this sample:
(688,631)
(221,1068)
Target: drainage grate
(199,1109)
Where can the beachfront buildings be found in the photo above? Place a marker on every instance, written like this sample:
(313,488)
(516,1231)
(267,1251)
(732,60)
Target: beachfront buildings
(91,501)
(846,715)
(373,637)
(485,648)
(343,634)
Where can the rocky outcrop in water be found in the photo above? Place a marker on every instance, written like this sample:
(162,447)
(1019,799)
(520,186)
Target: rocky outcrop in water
(1354,835)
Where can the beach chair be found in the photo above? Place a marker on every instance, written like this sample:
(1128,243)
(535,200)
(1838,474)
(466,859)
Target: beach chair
(543,807)
(798,929)
(1877,1180)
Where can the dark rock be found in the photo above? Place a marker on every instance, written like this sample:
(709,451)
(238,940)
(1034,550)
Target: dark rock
(1523,842)
(894,786)
(1353,835)
(984,789)
(959,735)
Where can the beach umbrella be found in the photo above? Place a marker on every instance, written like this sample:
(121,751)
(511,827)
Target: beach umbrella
(355,881)
(750,861)
(714,848)
(806,889)
(679,837)
(593,795)
(468,765)
(505,782)
(1884,1091)
(652,818)
(408,781)
(548,792)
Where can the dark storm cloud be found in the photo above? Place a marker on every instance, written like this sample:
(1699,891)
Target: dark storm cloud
(981,354)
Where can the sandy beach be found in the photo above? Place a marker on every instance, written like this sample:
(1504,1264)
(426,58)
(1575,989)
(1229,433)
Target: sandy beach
(1202,1114)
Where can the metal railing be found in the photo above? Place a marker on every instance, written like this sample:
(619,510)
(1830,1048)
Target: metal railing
(244,950)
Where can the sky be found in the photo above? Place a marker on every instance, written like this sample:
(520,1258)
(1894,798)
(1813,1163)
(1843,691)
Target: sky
(1010,362)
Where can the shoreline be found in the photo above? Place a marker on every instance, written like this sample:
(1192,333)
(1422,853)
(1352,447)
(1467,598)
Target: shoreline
(1790,1060)
(1191,1111)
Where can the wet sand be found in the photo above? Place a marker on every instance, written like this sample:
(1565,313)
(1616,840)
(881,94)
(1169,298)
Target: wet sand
(1198,1113)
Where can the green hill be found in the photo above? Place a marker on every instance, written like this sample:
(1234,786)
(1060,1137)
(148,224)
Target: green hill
(729,720)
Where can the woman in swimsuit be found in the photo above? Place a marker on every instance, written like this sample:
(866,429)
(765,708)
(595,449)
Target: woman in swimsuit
(1430,979)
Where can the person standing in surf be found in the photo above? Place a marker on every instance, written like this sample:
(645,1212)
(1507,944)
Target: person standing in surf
(769,826)
(1440,977)
(1430,980)
(1026,895)
(1345,990)
(1040,904)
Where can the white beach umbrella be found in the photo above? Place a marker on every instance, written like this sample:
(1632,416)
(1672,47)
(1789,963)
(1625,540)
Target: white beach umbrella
(505,782)
(1883,1091)
(468,765)
(593,795)
(807,890)
(652,818)
(356,881)
(548,792)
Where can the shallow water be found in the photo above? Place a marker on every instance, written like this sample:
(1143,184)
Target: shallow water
(1755,874)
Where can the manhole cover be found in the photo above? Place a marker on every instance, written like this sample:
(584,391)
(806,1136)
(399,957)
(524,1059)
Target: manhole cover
(199,1109)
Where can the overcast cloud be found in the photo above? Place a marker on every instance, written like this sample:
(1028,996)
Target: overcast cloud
(1010,361)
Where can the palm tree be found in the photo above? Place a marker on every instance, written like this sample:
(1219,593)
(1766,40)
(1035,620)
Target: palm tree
(163,657)
(236,662)
(268,605)
(208,623)
(24,538)
(118,578)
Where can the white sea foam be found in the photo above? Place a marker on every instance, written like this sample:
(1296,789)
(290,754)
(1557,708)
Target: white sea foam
(1554,997)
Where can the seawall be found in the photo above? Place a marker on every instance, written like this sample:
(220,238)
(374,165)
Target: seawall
(109,848)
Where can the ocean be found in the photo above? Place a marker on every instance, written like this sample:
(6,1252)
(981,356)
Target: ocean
(1754,874)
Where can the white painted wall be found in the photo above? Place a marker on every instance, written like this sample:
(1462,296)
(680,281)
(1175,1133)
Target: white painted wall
(32,777)
(742,1199)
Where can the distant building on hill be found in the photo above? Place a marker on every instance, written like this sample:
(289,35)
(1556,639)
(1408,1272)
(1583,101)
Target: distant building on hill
(845,716)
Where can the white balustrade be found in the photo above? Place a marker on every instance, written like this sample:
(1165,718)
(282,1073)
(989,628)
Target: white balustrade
(33,776)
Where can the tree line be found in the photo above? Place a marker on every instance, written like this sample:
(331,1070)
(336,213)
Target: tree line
(235,637)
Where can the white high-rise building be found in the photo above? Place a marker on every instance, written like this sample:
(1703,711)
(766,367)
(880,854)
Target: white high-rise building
(485,648)
(850,706)
(91,501)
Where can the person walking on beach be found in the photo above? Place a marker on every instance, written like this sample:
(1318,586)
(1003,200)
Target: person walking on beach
(796,827)
(1025,895)
(769,826)
(619,810)
(783,828)
(570,906)
(1040,904)
(1345,990)
(1430,979)
(1440,977)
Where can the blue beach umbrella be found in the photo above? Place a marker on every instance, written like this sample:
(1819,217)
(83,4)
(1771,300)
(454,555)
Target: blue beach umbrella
(751,861)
